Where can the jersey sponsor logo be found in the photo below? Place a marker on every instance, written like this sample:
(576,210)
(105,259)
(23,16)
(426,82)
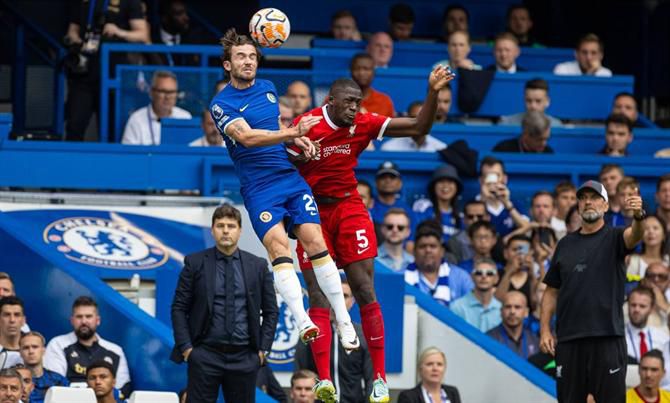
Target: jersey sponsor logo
(337,149)
(105,243)
(265,216)
(271,97)
(217,112)
(242,109)
(287,335)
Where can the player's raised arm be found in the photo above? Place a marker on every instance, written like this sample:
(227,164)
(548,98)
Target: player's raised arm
(240,131)
(419,126)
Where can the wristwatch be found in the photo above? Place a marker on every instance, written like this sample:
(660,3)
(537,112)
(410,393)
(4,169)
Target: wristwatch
(642,216)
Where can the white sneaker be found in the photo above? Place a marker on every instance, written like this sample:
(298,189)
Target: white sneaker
(348,336)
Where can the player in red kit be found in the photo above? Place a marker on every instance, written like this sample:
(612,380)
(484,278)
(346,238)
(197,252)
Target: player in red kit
(343,134)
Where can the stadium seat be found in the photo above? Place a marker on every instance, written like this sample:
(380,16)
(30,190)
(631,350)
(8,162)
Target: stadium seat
(60,394)
(143,396)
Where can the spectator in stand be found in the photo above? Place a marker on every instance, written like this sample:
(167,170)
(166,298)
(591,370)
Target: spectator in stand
(6,285)
(352,369)
(610,175)
(401,21)
(395,231)
(520,24)
(11,386)
(573,221)
(299,94)
(651,371)
(432,367)
(518,272)
(625,104)
(653,250)
(27,379)
(380,48)
(493,191)
(363,73)
(657,279)
(511,331)
(143,126)
(72,353)
(536,98)
(441,204)
(211,136)
(618,135)
(544,224)
(12,319)
(459,246)
(100,377)
(425,143)
(430,273)
(459,49)
(32,346)
(444,99)
(286,115)
(389,186)
(483,239)
(480,308)
(535,133)
(506,51)
(663,201)
(455,18)
(343,26)
(628,186)
(302,382)
(565,197)
(589,57)
(640,336)
(365,191)
(175,29)
(221,84)
(122,21)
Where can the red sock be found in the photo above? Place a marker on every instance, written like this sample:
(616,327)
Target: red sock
(321,346)
(373,329)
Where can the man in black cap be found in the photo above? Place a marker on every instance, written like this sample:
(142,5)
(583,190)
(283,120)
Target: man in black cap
(585,286)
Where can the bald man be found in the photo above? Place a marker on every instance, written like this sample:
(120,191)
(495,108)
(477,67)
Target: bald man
(380,47)
(300,96)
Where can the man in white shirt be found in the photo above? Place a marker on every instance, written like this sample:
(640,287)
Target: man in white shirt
(425,143)
(640,336)
(143,126)
(211,137)
(506,51)
(589,57)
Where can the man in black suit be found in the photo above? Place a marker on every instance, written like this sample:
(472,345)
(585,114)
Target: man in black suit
(216,315)
(506,50)
(175,29)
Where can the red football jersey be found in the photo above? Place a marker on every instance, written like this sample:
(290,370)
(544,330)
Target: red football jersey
(332,172)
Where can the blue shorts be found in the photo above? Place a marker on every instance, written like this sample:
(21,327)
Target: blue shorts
(288,198)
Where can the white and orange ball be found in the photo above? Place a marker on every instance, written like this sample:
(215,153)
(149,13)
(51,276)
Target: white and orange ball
(269,27)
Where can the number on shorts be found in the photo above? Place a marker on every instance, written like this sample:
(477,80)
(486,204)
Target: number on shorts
(362,238)
(309,206)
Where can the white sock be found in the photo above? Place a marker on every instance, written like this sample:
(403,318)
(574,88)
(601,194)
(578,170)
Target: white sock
(288,286)
(329,281)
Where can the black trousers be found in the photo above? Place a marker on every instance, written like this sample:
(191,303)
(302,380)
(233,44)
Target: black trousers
(235,373)
(595,365)
(83,99)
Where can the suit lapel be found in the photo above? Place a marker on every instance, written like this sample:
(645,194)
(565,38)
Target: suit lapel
(210,276)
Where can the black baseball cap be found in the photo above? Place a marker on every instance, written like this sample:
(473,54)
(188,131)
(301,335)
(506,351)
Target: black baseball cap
(388,167)
(596,187)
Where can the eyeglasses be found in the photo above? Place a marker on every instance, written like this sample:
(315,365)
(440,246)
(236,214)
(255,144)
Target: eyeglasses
(487,273)
(658,276)
(165,93)
(475,216)
(389,227)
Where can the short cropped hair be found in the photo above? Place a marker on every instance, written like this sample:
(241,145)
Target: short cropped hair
(35,334)
(11,373)
(564,186)
(654,353)
(302,374)
(626,182)
(162,74)
(661,180)
(610,167)
(84,300)
(535,123)
(12,300)
(621,119)
(481,224)
(490,161)
(398,211)
(590,37)
(101,364)
(507,36)
(537,84)
(361,55)
(227,211)
(402,13)
(643,290)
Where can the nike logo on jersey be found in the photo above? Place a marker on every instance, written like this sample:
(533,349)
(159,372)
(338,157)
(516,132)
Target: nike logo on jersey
(376,338)
(242,109)
(362,250)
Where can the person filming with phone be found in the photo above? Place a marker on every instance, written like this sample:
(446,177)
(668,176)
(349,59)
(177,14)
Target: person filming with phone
(518,273)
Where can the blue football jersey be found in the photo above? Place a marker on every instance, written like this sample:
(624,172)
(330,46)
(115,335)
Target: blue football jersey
(257,105)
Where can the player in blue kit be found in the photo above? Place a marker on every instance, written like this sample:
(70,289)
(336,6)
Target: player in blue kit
(275,195)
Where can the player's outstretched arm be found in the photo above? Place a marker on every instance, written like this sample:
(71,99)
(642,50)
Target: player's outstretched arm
(419,126)
(240,131)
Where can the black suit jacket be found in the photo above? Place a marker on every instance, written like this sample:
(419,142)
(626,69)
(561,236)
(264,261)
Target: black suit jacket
(194,298)
(493,67)
(414,395)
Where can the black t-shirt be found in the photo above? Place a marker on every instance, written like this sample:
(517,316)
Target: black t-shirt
(514,146)
(118,12)
(590,274)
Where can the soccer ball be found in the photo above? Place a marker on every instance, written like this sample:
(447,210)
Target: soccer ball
(269,27)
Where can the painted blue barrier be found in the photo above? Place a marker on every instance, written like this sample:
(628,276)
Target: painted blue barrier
(5,126)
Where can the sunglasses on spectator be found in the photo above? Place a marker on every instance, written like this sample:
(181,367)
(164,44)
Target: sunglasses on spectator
(487,273)
(167,93)
(659,276)
(475,216)
(389,227)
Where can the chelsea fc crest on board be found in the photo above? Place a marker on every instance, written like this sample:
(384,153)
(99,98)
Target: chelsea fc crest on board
(104,243)
(287,335)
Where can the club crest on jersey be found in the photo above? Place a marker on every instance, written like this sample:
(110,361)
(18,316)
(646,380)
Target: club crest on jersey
(352,131)
(287,335)
(105,243)
(271,97)
(266,216)
(217,111)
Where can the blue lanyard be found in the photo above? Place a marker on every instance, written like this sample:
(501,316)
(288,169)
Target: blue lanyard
(91,11)
(524,344)
(636,348)
(151,126)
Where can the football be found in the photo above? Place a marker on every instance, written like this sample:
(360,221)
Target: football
(269,27)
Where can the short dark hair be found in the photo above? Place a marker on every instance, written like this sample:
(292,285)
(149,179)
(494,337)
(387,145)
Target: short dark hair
(414,104)
(453,7)
(541,193)
(227,211)
(489,161)
(12,300)
(429,228)
(507,36)
(590,37)
(342,84)
(610,167)
(513,8)
(517,237)
(564,186)
(402,13)
(396,210)
(643,290)
(341,14)
(6,276)
(357,56)
(620,119)
(101,364)
(625,94)
(366,184)
(302,374)
(537,84)
(165,6)
(84,300)
(474,202)
(661,180)
(654,353)
(231,39)
(626,182)
(481,224)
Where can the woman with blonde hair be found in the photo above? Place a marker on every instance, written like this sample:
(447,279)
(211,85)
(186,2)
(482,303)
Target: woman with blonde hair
(432,367)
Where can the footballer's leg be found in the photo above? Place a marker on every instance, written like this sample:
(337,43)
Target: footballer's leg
(286,280)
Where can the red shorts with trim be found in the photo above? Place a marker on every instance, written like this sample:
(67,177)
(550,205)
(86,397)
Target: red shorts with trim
(348,231)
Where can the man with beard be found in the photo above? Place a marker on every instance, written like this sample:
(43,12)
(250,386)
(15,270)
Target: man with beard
(175,29)
(640,336)
(511,331)
(71,354)
(585,287)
